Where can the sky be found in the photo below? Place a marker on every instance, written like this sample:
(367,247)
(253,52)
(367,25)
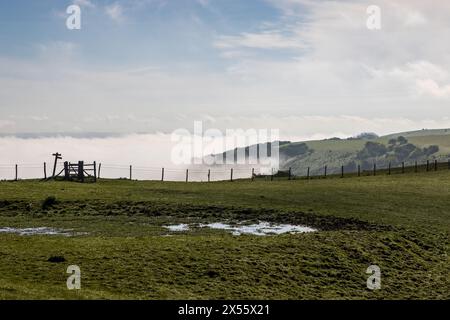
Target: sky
(311,69)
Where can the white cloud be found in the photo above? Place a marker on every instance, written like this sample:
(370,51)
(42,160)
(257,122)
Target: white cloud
(57,50)
(7,124)
(336,67)
(264,40)
(421,77)
(203,3)
(430,87)
(115,12)
(415,19)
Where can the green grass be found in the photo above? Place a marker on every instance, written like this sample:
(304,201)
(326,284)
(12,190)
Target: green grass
(399,222)
(341,146)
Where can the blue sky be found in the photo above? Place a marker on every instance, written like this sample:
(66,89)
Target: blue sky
(166,33)
(309,68)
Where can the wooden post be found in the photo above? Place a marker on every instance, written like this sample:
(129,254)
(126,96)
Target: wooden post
(428,165)
(231,175)
(253,173)
(57,157)
(374,169)
(271,175)
(16,178)
(359,170)
(389,171)
(290,173)
(187,175)
(448,164)
(162,175)
(45,170)
(342,171)
(416,168)
(307,174)
(435,165)
(99,168)
(209,175)
(403,167)
(131,172)
(66,171)
(81,171)
(325,174)
(95,171)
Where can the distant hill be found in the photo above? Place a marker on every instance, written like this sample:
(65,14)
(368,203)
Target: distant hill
(364,150)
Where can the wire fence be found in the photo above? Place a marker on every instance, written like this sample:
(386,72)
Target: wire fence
(359,170)
(22,171)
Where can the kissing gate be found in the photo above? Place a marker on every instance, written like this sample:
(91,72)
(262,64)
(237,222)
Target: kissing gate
(75,171)
(80,171)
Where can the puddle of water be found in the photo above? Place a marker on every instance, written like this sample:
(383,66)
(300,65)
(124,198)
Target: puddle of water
(178,227)
(260,229)
(38,231)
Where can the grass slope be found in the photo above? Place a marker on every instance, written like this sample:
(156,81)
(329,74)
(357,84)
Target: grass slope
(399,222)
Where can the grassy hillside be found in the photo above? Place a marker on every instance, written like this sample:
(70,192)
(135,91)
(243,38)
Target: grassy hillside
(424,138)
(400,223)
(335,153)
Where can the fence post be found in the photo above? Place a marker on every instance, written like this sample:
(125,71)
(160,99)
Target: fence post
(359,170)
(66,170)
(253,174)
(290,172)
(435,165)
(209,175)
(16,178)
(416,169)
(389,170)
(448,164)
(95,171)
(374,169)
(342,171)
(162,175)
(99,168)
(231,175)
(54,165)
(81,171)
(187,175)
(403,167)
(131,172)
(45,170)
(325,173)
(428,165)
(271,176)
(57,157)
(307,175)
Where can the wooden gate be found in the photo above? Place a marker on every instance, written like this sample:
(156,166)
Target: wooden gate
(80,171)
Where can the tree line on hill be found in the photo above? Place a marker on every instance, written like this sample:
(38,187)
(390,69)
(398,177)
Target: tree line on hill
(397,150)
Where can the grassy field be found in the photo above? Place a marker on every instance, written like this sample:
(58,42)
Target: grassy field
(400,223)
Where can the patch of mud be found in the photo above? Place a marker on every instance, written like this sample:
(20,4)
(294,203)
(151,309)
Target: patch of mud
(204,212)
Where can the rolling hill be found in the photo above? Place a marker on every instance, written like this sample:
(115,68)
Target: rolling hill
(364,150)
